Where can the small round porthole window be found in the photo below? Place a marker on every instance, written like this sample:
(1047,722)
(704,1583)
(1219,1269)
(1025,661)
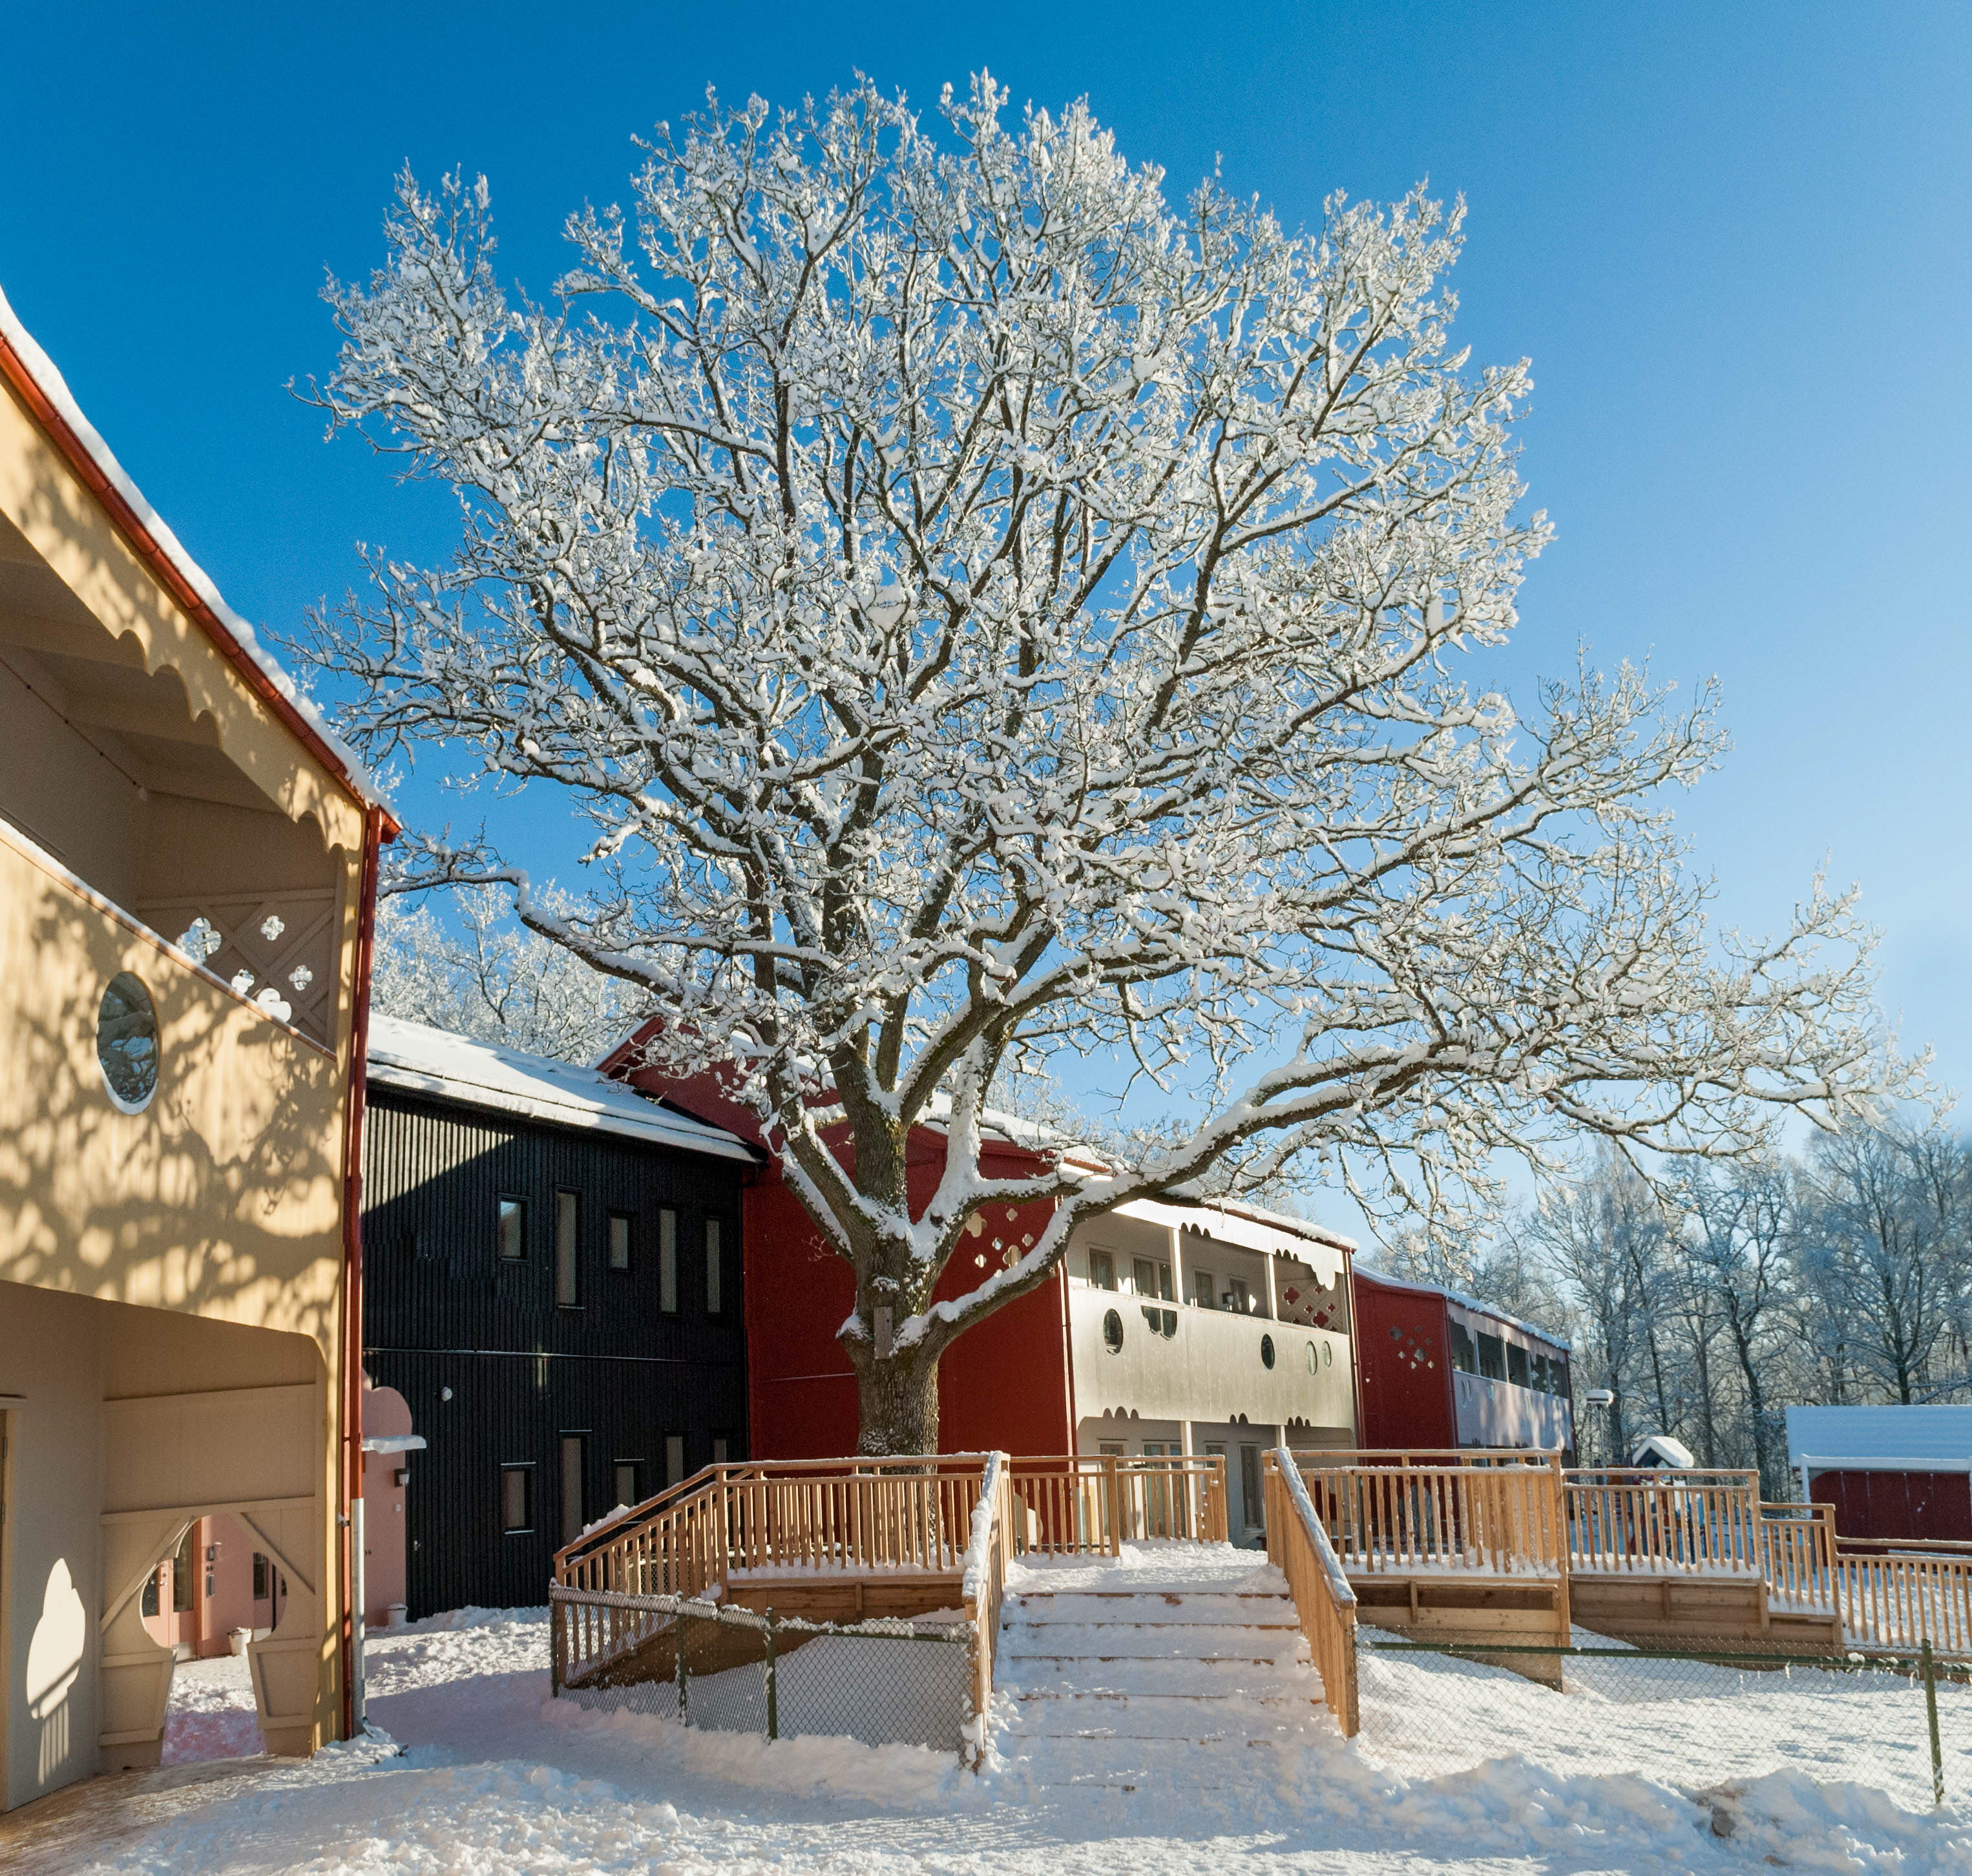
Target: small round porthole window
(1328,1355)
(126,1042)
(1112,1331)
(1312,1363)
(1266,1351)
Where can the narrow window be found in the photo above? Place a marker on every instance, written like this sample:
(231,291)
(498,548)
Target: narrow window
(259,1577)
(719,1450)
(1492,1357)
(1102,1270)
(1144,1275)
(619,1240)
(1205,1289)
(568,1219)
(513,1229)
(715,1294)
(1516,1364)
(1164,1283)
(674,1458)
(517,1499)
(1465,1357)
(1237,1299)
(668,1261)
(182,1567)
(629,1473)
(573,1450)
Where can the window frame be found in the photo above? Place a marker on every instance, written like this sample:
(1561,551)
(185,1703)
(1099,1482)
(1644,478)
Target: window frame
(712,1236)
(501,1200)
(667,1293)
(635,1468)
(568,1259)
(624,1216)
(524,1470)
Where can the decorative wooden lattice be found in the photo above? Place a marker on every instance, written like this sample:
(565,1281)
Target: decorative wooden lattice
(279,949)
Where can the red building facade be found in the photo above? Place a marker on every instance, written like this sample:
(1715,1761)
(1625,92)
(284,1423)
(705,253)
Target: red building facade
(1439,1370)
(1006,1383)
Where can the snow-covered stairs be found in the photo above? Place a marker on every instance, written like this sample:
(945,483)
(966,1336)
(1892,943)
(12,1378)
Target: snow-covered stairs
(1168,1667)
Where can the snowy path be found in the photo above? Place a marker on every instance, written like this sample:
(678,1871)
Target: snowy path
(495,1778)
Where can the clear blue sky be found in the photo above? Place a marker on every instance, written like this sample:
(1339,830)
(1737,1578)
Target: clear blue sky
(1733,239)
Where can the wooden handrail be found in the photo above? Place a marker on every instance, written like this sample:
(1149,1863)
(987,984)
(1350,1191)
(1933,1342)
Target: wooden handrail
(988,1552)
(1633,1520)
(1094,1503)
(1506,1519)
(1298,1546)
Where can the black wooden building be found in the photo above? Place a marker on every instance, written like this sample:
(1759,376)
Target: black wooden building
(552,1279)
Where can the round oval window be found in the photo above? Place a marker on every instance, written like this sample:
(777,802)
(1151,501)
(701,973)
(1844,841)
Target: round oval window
(126,1042)
(1112,1331)
(1311,1362)
(1328,1355)
(1266,1351)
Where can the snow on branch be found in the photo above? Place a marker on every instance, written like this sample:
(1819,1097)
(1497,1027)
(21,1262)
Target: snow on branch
(985,610)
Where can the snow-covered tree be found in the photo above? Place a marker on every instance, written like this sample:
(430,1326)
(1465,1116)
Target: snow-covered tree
(483,975)
(987,611)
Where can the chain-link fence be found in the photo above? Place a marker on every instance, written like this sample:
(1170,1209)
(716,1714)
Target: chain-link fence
(1689,1714)
(726,1668)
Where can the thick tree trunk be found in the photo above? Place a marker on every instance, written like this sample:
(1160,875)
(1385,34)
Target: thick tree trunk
(898,1400)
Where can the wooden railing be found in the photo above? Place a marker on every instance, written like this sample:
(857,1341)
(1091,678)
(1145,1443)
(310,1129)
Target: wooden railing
(1095,1504)
(989,1550)
(858,1516)
(1623,1519)
(1405,1512)
(1894,1594)
(1298,1546)
(1798,1555)
(867,1518)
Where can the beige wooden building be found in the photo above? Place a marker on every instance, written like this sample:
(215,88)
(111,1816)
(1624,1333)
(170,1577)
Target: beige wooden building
(187,868)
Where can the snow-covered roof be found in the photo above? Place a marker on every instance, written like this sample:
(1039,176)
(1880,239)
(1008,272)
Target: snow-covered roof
(423,1060)
(50,383)
(1880,1439)
(1458,1299)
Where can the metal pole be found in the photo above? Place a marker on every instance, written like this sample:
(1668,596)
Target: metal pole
(359,1713)
(683,1676)
(1930,1714)
(773,1690)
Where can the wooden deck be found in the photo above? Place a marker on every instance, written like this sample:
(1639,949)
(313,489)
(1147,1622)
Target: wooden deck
(849,1540)
(1469,1545)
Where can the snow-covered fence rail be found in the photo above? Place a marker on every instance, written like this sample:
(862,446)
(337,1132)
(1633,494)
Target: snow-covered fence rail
(1299,1548)
(1624,1520)
(983,1587)
(1899,1598)
(1498,1512)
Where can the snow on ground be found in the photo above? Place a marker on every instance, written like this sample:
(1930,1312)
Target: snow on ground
(211,1714)
(1463,1768)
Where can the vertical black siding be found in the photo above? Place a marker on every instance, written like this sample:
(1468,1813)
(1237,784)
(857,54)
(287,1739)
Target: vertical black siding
(441,1310)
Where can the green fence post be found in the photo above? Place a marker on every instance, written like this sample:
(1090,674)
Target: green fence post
(1930,1714)
(682,1677)
(773,1692)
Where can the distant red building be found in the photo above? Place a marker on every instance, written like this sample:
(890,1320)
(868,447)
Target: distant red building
(1439,1370)
(1166,1328)
(1891,1472)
